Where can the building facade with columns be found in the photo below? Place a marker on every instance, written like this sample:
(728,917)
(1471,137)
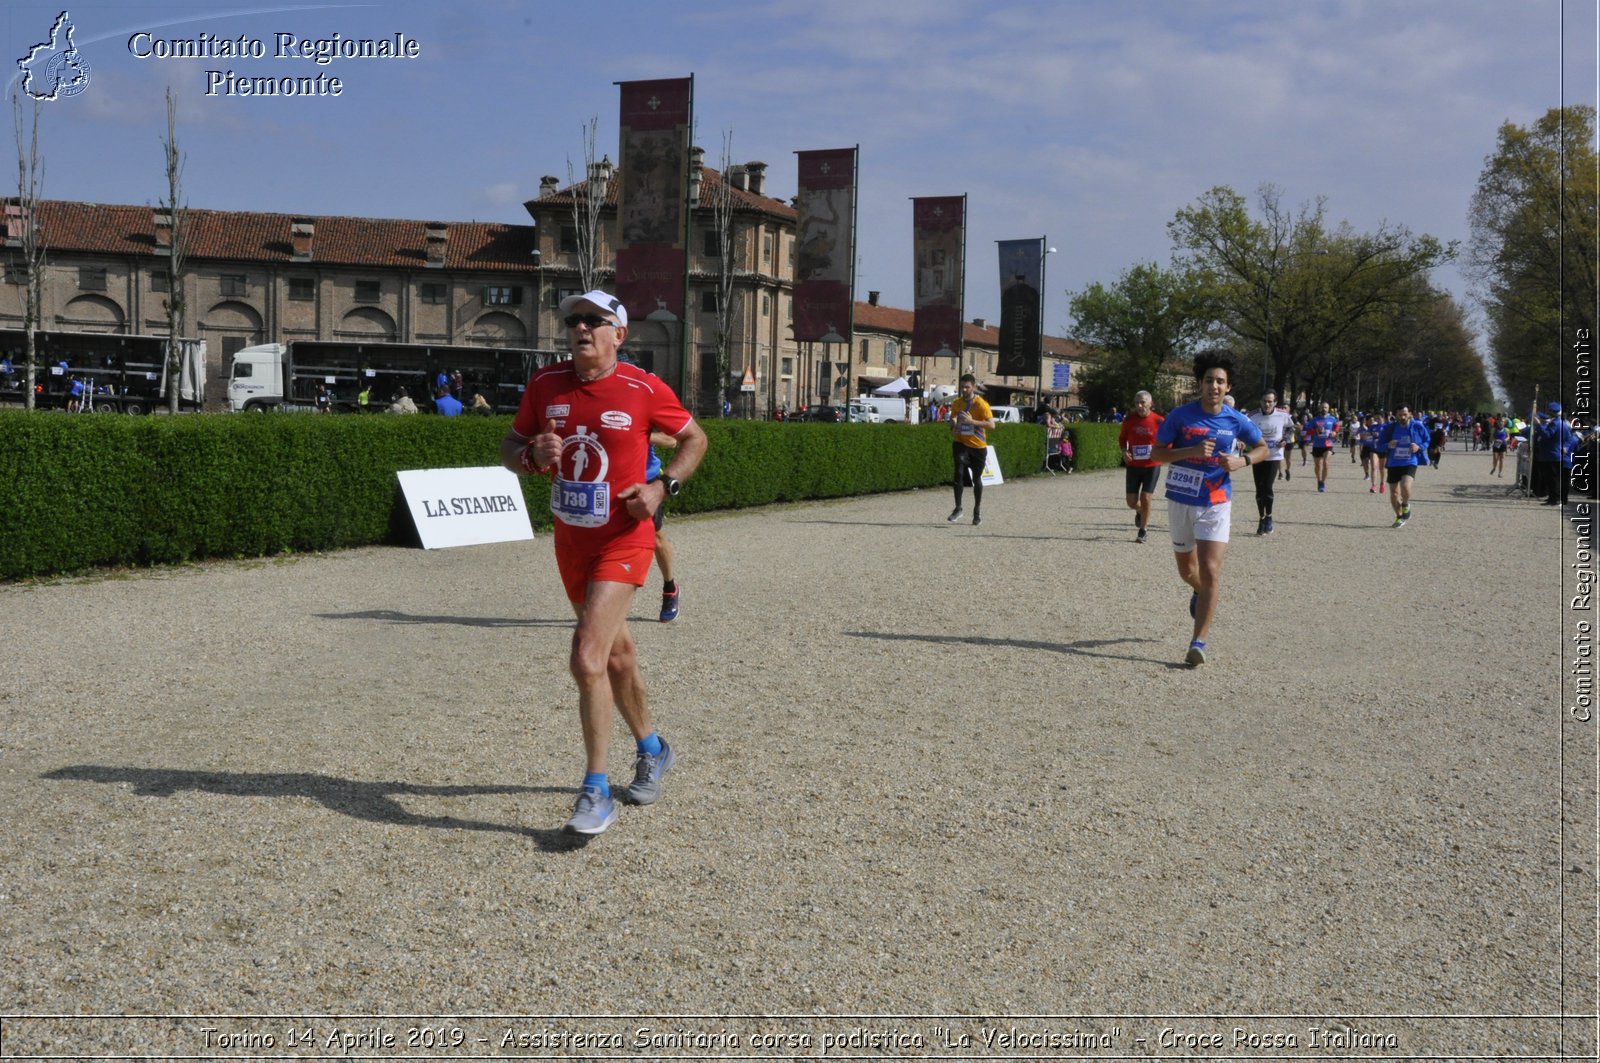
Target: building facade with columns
(760,358)
(254,277)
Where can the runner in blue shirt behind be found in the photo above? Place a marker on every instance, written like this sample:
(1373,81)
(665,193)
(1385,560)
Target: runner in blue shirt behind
(1324,431)
(1198,439)
(1402,446)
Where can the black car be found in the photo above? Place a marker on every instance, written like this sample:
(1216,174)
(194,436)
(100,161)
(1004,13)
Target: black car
(826,414)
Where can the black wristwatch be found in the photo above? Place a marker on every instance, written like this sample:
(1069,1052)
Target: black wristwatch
(671,486)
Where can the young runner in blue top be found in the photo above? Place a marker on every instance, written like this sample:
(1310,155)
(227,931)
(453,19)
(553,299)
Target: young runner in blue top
(1198,440)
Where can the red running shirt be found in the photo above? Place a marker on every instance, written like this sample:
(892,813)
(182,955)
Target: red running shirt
(605,428)
(1139,435)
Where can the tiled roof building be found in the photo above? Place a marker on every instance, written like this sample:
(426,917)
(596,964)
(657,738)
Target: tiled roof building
(253,277)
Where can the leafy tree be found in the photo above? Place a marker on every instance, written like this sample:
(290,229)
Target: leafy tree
(1143,323)
(1291,288)
(1533,246)
(1423,355)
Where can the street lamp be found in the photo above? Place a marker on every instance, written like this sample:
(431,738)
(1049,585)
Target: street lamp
(1038,380)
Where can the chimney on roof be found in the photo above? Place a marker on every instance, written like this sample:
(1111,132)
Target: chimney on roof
(872,298)
(739,177)
(548,186)
(758,175)
(13,223)
(163,220)
(599,179)
(438,235)
(697,166)
(978,322)
(302,231)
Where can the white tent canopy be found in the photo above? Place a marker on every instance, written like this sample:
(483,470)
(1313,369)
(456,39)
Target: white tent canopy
(894,387)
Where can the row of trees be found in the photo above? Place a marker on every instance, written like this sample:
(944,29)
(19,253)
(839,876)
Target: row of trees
(30,249)
(1532,251)
(1331,313)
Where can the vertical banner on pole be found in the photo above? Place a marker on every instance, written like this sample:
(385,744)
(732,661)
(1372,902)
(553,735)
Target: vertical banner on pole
(939,238)
(1021,263)
(653,164)
(825,245)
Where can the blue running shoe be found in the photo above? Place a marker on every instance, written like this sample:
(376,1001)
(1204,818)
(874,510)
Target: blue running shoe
(669,604)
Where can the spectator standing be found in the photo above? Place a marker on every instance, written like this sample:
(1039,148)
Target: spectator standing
(446,403)
(1553,445)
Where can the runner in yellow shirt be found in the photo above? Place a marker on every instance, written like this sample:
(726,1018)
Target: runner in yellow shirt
(970,422)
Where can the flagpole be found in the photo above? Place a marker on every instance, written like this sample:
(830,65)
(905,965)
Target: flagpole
(1038,380)
(850,327)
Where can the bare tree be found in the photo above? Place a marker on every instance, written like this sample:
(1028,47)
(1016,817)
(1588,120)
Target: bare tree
(30,180)
(721,207)
(589,206)
(176,218)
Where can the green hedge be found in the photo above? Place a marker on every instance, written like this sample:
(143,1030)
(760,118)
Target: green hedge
(86,491)
(1094,445)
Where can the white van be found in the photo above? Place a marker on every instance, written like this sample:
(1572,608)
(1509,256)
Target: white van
(888,410)
(860,412)
(1006,414)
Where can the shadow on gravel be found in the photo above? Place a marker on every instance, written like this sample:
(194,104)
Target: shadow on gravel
(393,617)
(371,801)
(872,523)
(1473,494)
(1084,648)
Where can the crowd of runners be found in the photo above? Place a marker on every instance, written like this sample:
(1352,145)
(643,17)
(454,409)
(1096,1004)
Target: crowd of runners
(593,423)
(1207,440)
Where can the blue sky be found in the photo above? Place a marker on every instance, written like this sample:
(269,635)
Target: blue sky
(1088,122)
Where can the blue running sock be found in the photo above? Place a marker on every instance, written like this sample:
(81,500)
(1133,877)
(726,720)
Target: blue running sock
(650,746)
(1196,644)
(597,780)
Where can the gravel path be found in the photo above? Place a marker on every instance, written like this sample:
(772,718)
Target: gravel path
(924,769)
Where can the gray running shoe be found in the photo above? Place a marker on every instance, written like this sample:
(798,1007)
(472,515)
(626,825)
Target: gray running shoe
(955,515)
(1195,657)
(648,772)
(592,813)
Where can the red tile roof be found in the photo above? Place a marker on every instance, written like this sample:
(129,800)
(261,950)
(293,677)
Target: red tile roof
(710,181)
(250,236)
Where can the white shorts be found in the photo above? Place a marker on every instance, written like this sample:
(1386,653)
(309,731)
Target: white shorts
(1187,523)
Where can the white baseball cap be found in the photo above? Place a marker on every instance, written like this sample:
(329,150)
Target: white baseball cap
(602,301)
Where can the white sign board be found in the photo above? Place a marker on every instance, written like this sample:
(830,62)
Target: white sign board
(465,507)
(991,469)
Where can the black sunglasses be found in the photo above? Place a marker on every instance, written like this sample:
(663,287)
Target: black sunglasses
(592,320)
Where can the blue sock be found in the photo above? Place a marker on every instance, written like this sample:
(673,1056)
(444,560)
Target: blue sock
(597,780)
(1196,644)
(651,746)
